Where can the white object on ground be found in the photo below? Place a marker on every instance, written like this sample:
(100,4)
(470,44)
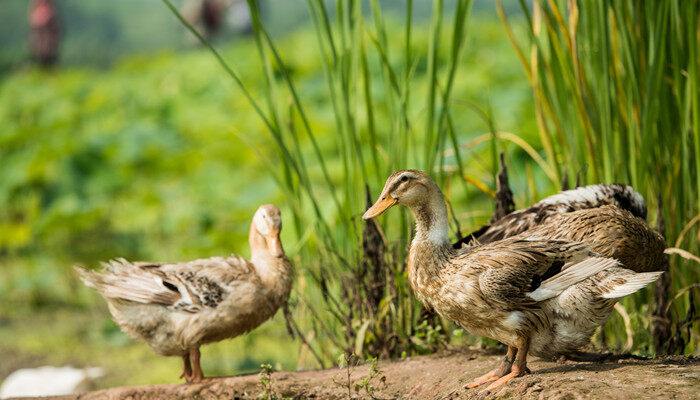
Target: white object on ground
(49,381)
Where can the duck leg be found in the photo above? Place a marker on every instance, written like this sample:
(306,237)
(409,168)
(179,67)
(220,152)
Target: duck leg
(519,368)
(502,369)
(186,367)
(197,374)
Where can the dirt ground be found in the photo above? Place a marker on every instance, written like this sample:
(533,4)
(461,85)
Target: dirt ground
(442,376)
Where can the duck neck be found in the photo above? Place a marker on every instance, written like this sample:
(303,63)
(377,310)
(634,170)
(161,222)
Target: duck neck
(432,225)
(430,248)
(274,272)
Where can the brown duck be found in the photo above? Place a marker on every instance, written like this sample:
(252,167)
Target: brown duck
(538,296)
(176,308)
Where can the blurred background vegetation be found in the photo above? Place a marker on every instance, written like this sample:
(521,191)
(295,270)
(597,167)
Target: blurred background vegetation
(138,145)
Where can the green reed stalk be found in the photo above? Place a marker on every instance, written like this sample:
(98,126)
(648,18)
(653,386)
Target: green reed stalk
(621,76)
(433,49)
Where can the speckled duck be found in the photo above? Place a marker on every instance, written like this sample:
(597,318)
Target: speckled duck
(538,296)
(176,308)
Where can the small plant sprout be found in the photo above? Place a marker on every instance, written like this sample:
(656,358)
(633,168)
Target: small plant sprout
(364,388)
(348,361)
(376,376)
(269,392)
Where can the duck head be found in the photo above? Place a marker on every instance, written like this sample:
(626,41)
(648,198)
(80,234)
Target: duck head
(410,188)
(265,230)
(417,191)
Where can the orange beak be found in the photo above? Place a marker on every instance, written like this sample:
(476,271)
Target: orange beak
(274,246)
(384,203)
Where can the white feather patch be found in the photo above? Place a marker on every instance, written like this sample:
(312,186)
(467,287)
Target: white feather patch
(634,283)
(570,276)
(592,194)
(514,320)
(438,232)
(589,194)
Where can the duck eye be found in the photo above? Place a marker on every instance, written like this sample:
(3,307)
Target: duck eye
(404,178)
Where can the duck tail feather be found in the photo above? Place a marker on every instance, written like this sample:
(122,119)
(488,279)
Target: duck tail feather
(138,287)
(91,279)
(569,276)
(634,283)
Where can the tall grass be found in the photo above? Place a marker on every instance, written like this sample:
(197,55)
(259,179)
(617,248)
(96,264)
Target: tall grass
(610,81)
(355,289)
(616,89)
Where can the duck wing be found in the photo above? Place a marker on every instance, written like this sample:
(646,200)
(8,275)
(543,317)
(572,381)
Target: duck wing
(587,197)
(520,272)
(611,232)
(190,286)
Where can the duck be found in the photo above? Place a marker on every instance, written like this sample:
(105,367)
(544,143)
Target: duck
(539,296)
(589,197)
(177,307)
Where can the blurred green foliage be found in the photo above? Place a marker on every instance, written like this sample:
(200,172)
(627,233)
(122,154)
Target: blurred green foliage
(94,32)
(99,33)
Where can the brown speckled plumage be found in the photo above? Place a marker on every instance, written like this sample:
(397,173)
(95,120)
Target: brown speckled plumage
(583,198)
(177,307)
(611,232)
(540,295)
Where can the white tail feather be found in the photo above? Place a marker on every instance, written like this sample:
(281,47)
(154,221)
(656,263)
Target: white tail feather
(87,277)
(634,283)
(569,276)
(135,286)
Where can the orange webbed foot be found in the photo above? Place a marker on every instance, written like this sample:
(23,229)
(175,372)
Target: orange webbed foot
(490,376)
(497,373)
(515,373)
(487,377)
